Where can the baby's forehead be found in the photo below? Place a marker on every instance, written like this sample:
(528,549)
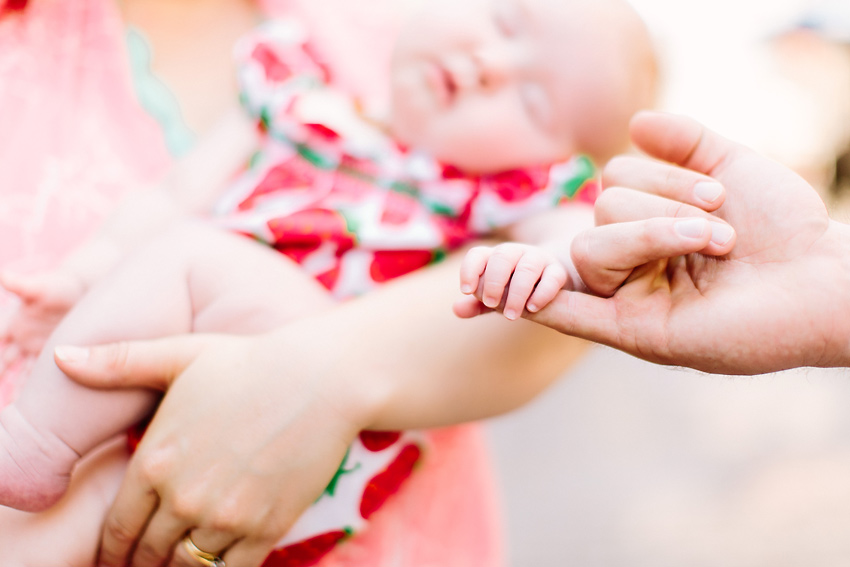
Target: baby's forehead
(581,19)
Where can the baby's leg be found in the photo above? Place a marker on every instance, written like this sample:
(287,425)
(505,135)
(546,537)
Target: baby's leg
(194,278)
(67,535)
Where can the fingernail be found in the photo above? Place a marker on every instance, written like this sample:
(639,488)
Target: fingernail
(721,233)
(466,288)
(490,302)
(71,354)
(532,308)
(691,228)
(510,314)
(708,191)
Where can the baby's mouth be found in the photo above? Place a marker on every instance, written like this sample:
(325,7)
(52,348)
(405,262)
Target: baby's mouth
(449,83)
(441,82)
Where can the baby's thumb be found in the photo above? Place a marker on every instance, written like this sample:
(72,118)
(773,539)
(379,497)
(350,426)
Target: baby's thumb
(152,364)
(469,307)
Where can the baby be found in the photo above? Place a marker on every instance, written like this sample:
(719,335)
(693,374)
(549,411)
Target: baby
(494,105)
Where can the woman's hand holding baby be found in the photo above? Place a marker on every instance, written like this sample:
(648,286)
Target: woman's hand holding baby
(225,443)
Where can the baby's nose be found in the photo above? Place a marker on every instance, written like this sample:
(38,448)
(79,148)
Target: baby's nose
(495,68)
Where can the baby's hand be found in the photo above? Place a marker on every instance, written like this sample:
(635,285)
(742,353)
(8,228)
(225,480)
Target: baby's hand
(45,299)
(520,275)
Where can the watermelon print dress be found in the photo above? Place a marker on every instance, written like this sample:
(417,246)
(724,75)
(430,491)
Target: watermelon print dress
(354,210)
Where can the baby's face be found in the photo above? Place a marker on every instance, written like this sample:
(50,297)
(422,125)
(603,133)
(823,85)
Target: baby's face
(489,85)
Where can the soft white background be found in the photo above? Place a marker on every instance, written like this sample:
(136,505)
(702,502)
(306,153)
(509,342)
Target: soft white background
(625,464)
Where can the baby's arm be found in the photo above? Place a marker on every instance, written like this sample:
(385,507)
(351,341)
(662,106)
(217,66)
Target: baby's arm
(190,188)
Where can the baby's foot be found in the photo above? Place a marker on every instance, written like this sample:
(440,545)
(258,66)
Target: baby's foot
(35,467)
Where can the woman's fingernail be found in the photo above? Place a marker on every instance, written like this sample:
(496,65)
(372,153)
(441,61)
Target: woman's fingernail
(721,233)
(466,288)
(510,314)
(708,191)
(532,308)
(71,354)
(692,228)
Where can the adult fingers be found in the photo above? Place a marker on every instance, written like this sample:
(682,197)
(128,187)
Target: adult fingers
(605,256)
(580,315)
(248,552)
(125,522)
(149,364)
(620,205)
(206,542)
(162,533)
(681,140)
(665,180)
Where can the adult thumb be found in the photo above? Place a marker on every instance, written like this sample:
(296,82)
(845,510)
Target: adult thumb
(150,364)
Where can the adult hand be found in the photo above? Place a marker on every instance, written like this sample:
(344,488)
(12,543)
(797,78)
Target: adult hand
(775,301)
(230,458)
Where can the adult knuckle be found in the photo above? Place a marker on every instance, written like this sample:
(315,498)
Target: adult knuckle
(154,466)
(610,173)
(228,521)
(117,355)
(115,529)
(185,506)
(147,554)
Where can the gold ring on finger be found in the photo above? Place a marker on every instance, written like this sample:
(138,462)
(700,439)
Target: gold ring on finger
(202,557)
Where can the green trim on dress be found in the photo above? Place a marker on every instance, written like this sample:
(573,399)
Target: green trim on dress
(155,97)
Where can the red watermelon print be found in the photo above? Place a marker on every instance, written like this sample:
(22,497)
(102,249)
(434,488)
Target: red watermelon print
(379,440)
(281,177)
(516,185)
(275,69)
(307,552)
(386,483)
(309,228)
(389,264)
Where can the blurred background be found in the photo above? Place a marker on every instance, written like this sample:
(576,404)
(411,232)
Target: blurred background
(623,463)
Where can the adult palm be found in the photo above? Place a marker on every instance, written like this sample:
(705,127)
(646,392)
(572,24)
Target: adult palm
(773,302)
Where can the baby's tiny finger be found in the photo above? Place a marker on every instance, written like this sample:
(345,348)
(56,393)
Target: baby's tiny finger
(500,267)
(525,277)
(469,307)
(472,267)
(664,180)
(552,280)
